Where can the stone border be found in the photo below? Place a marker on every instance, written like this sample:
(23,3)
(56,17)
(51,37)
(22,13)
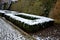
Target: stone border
(26,24)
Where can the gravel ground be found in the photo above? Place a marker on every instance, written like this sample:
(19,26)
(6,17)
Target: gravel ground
(50,33)
(7,32)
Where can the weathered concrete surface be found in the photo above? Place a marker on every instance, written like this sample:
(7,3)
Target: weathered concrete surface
(7,32)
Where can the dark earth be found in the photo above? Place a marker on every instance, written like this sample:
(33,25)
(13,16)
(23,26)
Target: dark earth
(50,33)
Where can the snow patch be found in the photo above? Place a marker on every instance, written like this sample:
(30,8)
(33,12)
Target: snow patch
(30,22)
(1,11)
(40,19)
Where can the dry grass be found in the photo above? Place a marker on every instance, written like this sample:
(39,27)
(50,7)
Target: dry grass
(55,13)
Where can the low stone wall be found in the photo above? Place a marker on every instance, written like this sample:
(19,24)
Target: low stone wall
(30,25)
(28,22)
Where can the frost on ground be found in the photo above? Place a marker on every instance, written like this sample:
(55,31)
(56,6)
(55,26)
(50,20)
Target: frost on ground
(7,32)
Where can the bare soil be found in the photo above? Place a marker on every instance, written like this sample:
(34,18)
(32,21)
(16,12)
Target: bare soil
(50,33)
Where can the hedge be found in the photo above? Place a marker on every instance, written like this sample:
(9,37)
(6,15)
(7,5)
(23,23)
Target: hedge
(29,27)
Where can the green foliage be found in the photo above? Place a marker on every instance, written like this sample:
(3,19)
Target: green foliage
(25,27)
(38,7)
(48,5)
(1,14)
(29,6)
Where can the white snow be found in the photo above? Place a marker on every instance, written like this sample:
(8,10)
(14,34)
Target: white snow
(14,0)
(30,22)
(8,12)
(40,19)
(1,11)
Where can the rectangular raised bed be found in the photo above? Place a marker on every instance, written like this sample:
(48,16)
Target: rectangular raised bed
(28,22)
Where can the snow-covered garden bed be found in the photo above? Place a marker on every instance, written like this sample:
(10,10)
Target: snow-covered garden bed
(28,22)
(3,12)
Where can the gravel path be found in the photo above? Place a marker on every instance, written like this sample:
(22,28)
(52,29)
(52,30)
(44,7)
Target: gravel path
(50,33)
(7,32)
